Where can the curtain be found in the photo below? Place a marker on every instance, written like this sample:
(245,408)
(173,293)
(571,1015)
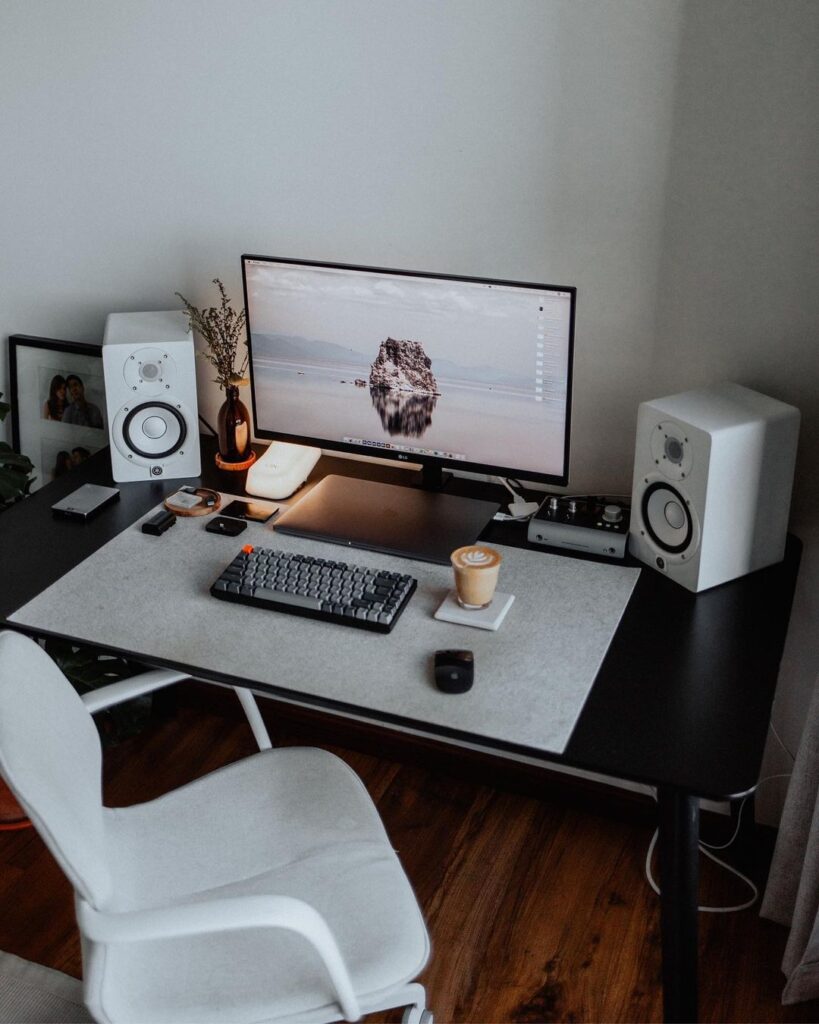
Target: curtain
(792,894)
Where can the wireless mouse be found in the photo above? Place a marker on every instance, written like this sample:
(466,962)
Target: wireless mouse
(454,671)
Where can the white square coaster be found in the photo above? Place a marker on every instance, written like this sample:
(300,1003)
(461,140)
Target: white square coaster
(481,618)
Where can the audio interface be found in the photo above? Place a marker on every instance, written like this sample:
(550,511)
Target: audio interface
(595,523)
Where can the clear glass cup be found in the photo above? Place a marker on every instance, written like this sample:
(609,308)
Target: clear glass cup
(476,569)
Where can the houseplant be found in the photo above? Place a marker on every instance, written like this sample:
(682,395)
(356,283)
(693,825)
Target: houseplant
(15,469)
(222,330)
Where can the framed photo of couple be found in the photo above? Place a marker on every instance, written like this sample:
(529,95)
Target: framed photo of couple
(57,403)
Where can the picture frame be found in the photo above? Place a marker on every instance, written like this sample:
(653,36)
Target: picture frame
(57,391)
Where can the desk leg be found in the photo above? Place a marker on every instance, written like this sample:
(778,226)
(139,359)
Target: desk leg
(679,875)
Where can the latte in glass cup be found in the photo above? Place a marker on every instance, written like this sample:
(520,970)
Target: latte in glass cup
(476,570)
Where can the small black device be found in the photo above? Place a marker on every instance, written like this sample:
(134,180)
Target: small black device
(227,527)
(159,523)
(318,588)
(454,671)
(253,510)
(85,502)
(597,524)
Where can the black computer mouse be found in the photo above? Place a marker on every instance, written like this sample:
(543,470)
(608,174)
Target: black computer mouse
(454,671)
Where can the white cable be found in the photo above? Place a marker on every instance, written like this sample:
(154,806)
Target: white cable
(515,494)
(525,509)
(705,848)
(724,846)
(704,910)
(780,740)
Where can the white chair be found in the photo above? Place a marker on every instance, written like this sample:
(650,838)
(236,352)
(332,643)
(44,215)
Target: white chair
(265,891)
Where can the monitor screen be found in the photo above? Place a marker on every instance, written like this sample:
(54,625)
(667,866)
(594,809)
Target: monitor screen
(465,372)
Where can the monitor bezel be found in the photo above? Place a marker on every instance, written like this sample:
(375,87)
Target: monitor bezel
(554,479)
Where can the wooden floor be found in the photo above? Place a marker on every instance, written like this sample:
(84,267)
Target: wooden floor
(538,908)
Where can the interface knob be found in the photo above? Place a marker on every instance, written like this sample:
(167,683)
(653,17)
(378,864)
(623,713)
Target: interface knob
(572,507)
(612,513)
(553,504)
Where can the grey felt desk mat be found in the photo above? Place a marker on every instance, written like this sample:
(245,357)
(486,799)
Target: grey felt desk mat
(150,594)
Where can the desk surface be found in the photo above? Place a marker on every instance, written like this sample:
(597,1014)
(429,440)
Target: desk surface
(682,698)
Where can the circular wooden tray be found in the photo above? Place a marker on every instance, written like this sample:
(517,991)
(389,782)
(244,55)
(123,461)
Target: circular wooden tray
(205,493)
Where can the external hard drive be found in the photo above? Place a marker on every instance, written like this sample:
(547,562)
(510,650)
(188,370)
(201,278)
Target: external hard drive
(85,502)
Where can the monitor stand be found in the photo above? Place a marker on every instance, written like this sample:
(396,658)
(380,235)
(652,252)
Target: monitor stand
(396,520)
(431,477)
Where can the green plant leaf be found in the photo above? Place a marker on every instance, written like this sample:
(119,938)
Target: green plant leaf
(9,490)
(8,457)
(15,470)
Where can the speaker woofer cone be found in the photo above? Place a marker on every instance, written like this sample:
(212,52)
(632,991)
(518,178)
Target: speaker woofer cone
(663,508)
(162,410)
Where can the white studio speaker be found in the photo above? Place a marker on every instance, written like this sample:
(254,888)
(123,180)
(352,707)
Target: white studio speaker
(150,392)
(713,472)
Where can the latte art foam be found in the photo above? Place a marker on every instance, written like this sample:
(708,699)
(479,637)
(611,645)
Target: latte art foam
(475,557)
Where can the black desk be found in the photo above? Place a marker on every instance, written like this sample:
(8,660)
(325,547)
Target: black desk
(681,702)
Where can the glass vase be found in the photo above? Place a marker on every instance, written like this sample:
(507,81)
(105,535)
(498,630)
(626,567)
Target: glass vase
(233,426)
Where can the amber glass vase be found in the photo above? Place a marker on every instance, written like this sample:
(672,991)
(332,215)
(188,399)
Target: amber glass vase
(234,428)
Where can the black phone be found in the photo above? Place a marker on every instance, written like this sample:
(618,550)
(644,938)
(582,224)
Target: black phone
(227,527)
(255,510)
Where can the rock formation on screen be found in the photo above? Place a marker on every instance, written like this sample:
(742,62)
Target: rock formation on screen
(403,414)
(403,366)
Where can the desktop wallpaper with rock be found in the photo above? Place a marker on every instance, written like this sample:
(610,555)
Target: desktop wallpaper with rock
(463,372)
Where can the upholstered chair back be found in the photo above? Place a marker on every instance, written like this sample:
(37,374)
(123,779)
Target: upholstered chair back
(51,759)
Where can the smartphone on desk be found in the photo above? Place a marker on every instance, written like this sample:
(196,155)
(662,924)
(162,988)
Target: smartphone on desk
(255,511)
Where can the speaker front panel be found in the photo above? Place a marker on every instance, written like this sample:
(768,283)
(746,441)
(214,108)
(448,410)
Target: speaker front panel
(151,397)
(670,469)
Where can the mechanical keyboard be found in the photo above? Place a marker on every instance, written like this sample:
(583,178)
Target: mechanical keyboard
(318,588)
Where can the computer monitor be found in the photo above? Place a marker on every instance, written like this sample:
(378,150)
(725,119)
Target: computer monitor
(445,371)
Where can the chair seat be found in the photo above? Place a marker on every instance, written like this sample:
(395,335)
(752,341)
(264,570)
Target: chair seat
(290,822)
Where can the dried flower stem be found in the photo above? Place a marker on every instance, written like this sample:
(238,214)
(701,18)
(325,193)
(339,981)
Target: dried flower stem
(222,328)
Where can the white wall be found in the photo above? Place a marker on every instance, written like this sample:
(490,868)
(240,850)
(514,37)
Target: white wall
(655,153)
(737,295)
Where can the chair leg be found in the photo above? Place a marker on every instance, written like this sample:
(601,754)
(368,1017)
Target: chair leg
(416,1012)
(254,717)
